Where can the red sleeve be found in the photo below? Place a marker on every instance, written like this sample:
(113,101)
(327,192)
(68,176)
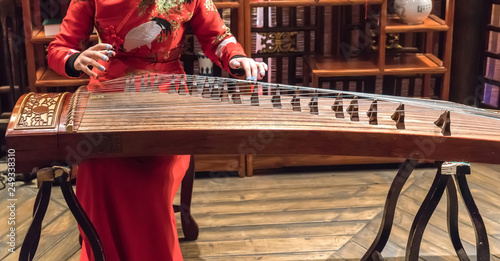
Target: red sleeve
(75,31)
(216,40)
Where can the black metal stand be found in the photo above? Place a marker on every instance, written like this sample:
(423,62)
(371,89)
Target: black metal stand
(441,182)
(482,244)
(45,178)
(375,250)
(424,214)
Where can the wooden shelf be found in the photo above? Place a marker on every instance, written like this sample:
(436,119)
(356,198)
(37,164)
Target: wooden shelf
(286,3)
(226,4)
(349,2)
(48,78)
(395,65)
(39,37)
(431,23)
(334,67)
(413,64)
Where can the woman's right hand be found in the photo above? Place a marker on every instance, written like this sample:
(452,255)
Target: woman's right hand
(90,57)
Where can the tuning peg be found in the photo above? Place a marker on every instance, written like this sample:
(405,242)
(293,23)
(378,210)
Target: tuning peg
(313,103)
(276,99)
(224,96)
(338,106)
(353,109)
(296,100)
(444,122)
(372,113)
(216,92)
(254,99)
(193,87)
(172,88)
(156,84)
(399,117)
(206,89)
(235,96)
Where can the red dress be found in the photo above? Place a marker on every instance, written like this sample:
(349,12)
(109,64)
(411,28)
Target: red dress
(129,200)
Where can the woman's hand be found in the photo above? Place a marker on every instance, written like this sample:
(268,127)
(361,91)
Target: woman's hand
(253,70)
(90,57)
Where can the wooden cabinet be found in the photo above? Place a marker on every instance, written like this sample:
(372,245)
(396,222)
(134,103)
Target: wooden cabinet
(317,64)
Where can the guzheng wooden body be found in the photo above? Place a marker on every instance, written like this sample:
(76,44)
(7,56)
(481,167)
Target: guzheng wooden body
(177,114)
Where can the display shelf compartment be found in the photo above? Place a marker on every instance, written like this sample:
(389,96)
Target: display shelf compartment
(431,23)
(334,67)
(46,77)
(413,64)
(39,36)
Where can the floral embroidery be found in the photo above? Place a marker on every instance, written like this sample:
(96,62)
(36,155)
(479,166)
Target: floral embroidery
(221,37)
(210,6)
(144,5)
(162,7)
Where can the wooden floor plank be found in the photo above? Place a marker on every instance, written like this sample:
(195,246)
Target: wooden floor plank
(297,216)
(286,217)
(286,205)
(263,246)
(439,220)
(296,180)
(326,191)
(488,212)
(283,230)
(23,222)
(290,256)
(75,256)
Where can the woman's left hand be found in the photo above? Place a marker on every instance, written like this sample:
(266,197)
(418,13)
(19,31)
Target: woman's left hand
(253,70)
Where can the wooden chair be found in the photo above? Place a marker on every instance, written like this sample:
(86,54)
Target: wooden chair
(189,226)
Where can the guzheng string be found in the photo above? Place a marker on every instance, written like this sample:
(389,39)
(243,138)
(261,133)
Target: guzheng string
(154,105)
(118,85)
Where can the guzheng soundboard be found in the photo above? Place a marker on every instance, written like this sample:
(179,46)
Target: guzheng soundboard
(156,114)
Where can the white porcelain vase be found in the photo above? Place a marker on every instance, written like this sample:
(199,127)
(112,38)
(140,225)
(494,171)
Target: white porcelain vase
(413,12)
(206,66)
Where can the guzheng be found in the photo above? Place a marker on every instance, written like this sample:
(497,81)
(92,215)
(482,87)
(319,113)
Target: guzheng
(157,114)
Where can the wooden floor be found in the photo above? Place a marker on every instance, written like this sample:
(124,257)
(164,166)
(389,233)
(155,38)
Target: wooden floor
(330,215)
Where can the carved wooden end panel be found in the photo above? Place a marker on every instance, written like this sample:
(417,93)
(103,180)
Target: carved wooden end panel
(39,111)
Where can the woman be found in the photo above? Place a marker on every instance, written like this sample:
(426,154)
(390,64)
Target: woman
(129,200)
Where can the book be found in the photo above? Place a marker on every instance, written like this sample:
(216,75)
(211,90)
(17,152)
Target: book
(51,26)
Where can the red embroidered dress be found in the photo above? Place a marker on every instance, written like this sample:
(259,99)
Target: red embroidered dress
(129,200)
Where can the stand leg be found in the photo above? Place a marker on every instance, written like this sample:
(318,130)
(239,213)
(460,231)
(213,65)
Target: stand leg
(189,225)
(30,243)
(424,214)
(453,220)
(373,253)
(79,214)
(482,244)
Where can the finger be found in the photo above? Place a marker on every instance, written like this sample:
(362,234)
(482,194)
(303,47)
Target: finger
(89,72)
(97,55)
(255,71)
(248,70)
(89,61)
(234,64)
(265,66)
(107,53)
(262,71)
(101,46)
